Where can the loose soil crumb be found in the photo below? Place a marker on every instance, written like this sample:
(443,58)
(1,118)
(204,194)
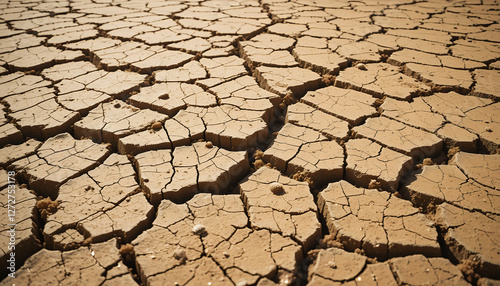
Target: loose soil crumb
(258,155)
(287,100)
(427,162)
(258,164)
(359,251)
(180,254)
(46,207)
(329,241)
(199,229)
(328,79)
(452,151)
(374,184)
(468,268)
(361,66)
(127,252)
(156,126)
(304,176)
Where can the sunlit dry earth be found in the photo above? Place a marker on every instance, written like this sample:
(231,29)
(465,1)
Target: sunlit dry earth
(245,142)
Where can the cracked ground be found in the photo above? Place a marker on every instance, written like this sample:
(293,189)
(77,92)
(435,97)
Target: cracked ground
(250,142)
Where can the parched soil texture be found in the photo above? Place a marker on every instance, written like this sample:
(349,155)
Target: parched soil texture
(249,142)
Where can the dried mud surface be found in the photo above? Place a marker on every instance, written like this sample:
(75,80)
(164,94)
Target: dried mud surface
(250,142)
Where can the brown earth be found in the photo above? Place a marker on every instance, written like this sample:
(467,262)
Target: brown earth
(250,142)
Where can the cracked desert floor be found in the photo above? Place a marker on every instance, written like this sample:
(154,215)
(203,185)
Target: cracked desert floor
(250,142)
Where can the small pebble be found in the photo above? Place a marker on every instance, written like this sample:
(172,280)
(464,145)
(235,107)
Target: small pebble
(361,66)
(179,254)
(199,229)
(332,264)
(276,188)
(157,125)
(209,144)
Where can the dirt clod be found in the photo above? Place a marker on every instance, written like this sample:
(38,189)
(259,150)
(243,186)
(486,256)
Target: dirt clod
(427,162)
(374,184)
(287,100)
(180,254)
(332,264)
(328,79)
(258,163)
(359,251)
(199,229)
(329,241)
(127,252)
(452,151)
(304,176)
(156,126)
(46,207)
(276,188)
(361,66)
(258,154)
(468,268)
